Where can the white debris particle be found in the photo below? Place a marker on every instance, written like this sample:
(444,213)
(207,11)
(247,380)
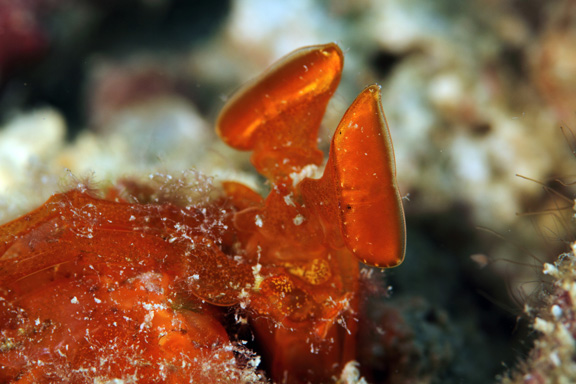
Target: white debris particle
(543,325)
(97,300)
(299,219)
(259,221)
(556,311)
(310,171)
(350,374)
(550,269)
(288,200)
(74,300)
(150,307)
(147,321)
(37,321)
(555,359)
(258,278)
(243,294)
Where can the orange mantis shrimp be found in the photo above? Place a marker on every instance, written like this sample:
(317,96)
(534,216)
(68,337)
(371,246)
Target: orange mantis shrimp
(135,285)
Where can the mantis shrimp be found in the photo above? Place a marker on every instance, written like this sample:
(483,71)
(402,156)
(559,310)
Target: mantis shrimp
(127,283)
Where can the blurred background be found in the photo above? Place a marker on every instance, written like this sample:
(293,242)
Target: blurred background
(475,93)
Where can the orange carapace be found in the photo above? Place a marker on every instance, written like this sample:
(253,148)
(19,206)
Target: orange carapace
(132,284)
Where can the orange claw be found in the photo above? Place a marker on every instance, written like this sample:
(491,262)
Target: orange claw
(278,114)
(359,185)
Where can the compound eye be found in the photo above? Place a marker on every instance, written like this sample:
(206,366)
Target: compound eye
(357,198)
(277,116)
(364,169)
